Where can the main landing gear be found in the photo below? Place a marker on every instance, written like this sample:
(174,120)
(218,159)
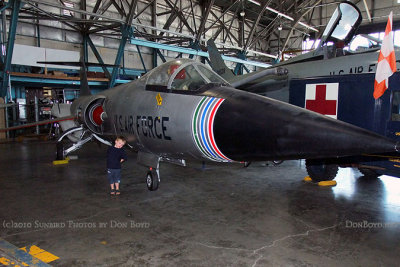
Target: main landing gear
(153,179)
(84,137)
(321,170)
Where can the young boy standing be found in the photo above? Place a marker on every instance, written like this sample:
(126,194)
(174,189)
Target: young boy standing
(115,156)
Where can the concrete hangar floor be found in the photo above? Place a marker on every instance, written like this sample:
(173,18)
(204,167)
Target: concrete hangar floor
(262,215)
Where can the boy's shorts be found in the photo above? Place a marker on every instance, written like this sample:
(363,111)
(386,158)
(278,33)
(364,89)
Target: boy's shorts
(114,175)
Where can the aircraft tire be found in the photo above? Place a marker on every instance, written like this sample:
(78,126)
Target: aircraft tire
(152,180)
(368,173)
(60,151)
(321,170)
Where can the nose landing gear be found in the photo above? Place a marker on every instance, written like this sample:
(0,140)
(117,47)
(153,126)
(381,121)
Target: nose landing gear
(152,179)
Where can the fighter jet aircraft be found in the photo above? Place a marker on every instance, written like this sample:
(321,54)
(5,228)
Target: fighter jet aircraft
(183,110)
(329,58)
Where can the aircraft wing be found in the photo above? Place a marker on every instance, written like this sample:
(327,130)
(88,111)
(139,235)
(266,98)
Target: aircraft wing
(8,105)
(33,124)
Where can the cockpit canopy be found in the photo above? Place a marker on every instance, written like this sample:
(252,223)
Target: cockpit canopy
(183,75)
(343,23)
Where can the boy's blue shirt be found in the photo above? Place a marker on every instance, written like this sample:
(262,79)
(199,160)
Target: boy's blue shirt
(114,156)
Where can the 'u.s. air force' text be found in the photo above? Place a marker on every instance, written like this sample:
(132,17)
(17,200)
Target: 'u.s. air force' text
(356,69)
(147,126)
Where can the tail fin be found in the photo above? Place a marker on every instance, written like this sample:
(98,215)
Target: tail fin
(217,63)
(84,85)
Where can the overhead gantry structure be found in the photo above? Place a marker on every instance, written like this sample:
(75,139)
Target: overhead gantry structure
(246,31)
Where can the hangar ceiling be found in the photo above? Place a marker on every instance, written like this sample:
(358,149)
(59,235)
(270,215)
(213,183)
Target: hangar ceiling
(185,23)
(254,28)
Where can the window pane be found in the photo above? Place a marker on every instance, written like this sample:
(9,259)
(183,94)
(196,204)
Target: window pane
(213,77)
(188,79)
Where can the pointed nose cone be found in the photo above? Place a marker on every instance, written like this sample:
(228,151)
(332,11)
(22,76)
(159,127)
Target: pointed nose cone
(250,127)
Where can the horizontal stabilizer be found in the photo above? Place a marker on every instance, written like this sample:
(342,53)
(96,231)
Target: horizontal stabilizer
(257,75)
(76,63)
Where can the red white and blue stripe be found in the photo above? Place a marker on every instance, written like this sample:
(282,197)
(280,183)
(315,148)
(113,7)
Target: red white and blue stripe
(203,128)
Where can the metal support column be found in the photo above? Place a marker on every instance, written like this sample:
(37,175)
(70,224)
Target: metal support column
(154,57)
(126,33)
(16,5)
(3,36)
(84,33)
(37,114)
(154,22)
(195,45)
(239,66)
(98,56)
(141,58)
(161,55)
(85,47)
(37,27)
(2,119)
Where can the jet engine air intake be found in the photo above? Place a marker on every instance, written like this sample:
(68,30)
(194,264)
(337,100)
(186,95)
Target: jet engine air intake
(96,114)
(91,113)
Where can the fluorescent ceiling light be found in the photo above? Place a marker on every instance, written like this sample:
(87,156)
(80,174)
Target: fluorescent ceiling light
(279,13)
(258,4)
(263,54)
(292,19)
(308,26)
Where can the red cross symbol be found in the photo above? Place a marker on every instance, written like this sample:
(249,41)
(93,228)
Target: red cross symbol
(320,104)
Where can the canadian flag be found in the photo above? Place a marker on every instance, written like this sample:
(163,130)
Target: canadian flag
(386,61)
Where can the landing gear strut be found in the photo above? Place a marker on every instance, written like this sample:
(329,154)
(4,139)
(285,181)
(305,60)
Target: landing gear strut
(152,179)
(84,137)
